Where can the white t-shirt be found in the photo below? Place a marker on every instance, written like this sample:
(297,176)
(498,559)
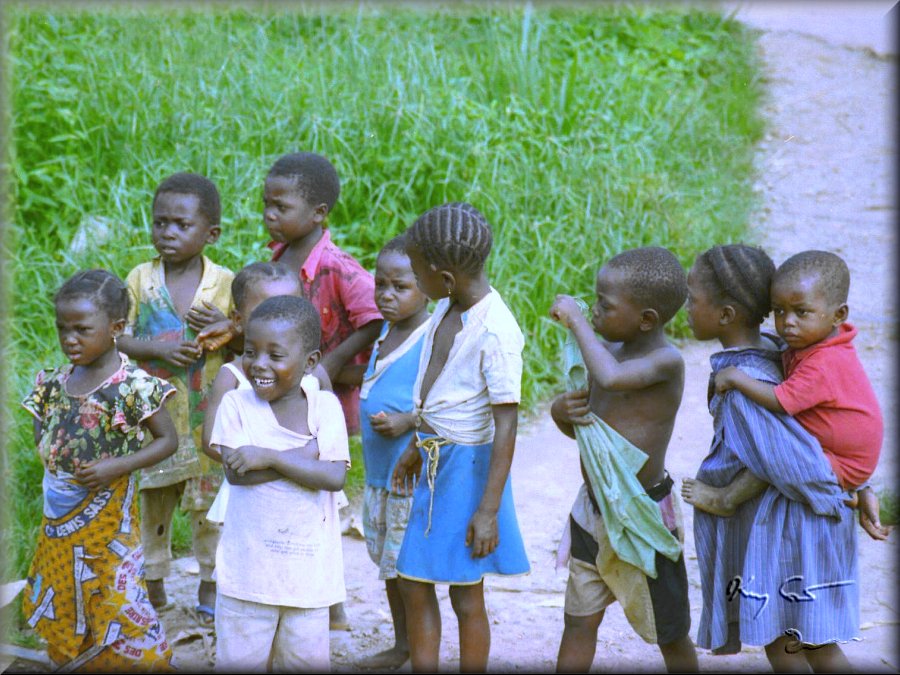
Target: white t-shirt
(281,542)
(484,368)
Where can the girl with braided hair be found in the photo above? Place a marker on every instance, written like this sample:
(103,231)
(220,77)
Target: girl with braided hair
(759,564)
(462,524)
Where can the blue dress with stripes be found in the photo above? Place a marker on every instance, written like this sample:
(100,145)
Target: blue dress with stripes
(786,562)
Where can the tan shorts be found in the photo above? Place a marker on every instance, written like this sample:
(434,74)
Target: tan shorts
(385,516)
(248,632)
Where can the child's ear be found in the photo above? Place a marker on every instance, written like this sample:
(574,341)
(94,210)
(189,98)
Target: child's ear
(312,360)
(727,315)
(212,236)
(449,281)
(117,327)
(649,319)
(320,213)
(237,321)
(841,314)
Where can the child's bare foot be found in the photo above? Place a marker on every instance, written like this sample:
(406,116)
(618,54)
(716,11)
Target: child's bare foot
(156,591)
(389,659)
(706,497)
(206,603)
(337,617)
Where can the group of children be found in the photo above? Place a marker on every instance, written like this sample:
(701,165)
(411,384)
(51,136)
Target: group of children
(324,349)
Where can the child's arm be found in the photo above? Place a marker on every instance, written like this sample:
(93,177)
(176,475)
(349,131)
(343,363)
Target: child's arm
(101,472)
(181,354)
(605,371)
(296,465)
(761,393)
(357,341)
(352,374)
(392,425)
(310,450)
(570,408)
(869,517)
(225,381)
(407,469)
(482,534)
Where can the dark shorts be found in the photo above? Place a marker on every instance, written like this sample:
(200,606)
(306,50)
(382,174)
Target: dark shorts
(658,609)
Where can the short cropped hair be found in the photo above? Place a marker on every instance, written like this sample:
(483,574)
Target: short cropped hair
(255,273)
(739,274)
(654,277)
(830,269)
(299,312)
(315,177)
(103,288)
(194,184)
(452,236)
(395,245)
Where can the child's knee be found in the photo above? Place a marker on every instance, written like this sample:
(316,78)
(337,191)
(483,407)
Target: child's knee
(467,601)
(583,625)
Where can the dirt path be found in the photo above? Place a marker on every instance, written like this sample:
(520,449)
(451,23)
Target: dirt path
(825,170)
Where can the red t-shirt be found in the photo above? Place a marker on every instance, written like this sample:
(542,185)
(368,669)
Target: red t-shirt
(827,390)
(344,293)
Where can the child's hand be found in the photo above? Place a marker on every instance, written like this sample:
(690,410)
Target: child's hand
(482,534)
(565,310)
(97,473)
(726,378)
(393,424)
(407,470)
(199,318)
(180,354)
(247,458)
(572,407)
(869,517)
(216,335)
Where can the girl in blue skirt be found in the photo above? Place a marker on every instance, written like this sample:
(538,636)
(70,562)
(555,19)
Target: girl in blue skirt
(463,524)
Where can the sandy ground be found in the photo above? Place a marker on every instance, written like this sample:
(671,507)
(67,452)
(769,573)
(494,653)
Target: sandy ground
(826,179)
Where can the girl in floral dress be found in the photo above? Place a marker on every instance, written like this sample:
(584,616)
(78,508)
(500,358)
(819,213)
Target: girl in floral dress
(86,594)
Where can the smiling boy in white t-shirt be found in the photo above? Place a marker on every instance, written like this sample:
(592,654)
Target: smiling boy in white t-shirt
(279,565)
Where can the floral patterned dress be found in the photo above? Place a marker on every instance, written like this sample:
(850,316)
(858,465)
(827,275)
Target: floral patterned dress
(86,593)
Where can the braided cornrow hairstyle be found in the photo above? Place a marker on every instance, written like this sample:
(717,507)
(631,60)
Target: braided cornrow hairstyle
(453,236)
(830,270)
(102,288)
(739,273)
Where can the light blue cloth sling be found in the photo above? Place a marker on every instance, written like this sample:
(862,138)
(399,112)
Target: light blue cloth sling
(633,521)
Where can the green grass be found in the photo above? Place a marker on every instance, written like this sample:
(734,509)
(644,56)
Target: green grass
(578,131)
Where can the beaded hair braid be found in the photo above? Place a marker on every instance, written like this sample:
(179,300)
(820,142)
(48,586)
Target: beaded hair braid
(453,236)
(103,288)
(298,311)
(741,273)
(830,269)
(200,186)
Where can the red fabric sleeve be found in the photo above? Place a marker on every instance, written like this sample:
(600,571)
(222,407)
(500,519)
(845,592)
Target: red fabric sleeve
(806,387)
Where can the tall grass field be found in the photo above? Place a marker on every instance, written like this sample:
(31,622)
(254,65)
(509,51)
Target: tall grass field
(578,131)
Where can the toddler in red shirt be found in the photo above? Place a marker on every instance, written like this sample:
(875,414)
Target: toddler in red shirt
(825,386)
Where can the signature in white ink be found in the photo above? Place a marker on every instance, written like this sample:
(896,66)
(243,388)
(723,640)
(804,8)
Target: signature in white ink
(736,586)
(806,594)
